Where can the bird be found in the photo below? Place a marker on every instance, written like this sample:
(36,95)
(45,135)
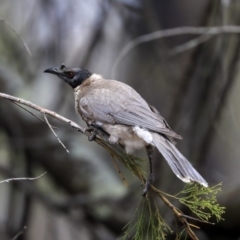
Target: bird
(117,109)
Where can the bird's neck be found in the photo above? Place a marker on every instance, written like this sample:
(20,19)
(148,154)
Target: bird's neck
(93,78)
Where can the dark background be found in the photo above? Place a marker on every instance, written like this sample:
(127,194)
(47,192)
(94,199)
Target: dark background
(196,89)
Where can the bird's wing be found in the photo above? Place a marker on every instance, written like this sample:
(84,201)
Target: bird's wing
(122,106)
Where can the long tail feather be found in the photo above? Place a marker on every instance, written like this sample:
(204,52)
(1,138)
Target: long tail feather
(182,168)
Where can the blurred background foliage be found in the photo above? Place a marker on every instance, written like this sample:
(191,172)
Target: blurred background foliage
(196,90)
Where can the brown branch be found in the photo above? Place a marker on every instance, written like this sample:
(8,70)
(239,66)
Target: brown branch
(43,111)
(198,220)
(177,213)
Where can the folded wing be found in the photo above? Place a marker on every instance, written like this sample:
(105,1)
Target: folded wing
(122,105)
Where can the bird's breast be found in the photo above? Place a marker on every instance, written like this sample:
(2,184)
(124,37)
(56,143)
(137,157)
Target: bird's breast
(78,95)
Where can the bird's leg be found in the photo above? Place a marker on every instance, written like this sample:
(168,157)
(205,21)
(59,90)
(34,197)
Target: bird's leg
(94,129)
(150,178)
(93,135)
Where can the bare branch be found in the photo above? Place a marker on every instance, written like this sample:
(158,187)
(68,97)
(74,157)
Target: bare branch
(23,42)
(172,32)
(43,111)
(19,234)
(55,133)
(196,219)
(32,114)
(22,178)
(190,44)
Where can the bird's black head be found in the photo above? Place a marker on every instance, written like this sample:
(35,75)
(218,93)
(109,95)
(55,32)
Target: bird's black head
(73,76)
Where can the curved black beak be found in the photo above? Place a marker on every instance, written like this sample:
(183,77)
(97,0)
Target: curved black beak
(53,70)
(56,70)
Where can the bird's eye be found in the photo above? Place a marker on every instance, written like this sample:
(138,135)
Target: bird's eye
(70,74)
(62,66)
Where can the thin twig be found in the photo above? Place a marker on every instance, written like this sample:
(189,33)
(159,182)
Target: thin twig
(194,226)
(172,32)
(119,171)
(43,110)
(13,29)
(176,212)
(189,45)
(32,114)
(20,233)
(22,178)
(55,133)
(196,219)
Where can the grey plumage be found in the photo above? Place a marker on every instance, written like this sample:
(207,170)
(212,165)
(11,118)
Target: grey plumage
(113,102)
(129,120)
(178,163)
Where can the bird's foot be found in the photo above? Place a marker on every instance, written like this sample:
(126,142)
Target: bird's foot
(148,184)
(93,131)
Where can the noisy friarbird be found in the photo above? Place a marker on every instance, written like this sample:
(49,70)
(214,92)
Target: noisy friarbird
(117,109)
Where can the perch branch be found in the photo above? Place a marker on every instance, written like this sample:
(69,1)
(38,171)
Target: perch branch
(43,111)
(177,213)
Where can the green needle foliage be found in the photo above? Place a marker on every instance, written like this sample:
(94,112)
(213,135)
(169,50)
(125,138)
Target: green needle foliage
(182,235)
(147,223)
(133,163)
(202,201)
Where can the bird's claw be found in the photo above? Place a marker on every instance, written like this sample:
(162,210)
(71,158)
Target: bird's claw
(92,133)
(148,184)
